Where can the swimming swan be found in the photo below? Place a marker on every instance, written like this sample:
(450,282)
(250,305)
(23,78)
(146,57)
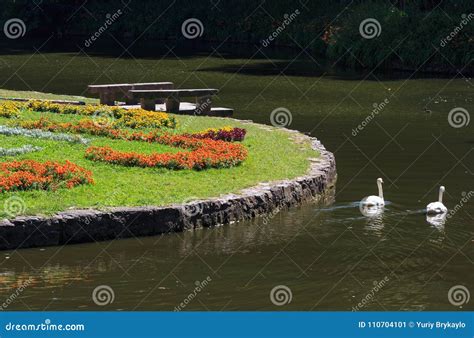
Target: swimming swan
(437,207)
(375,200)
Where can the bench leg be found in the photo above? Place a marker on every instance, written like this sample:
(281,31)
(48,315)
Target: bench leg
(203,105)
(107,98)
(147,104)
(129,100)
(172,105)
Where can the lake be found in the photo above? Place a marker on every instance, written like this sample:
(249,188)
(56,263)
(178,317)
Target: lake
(328,257)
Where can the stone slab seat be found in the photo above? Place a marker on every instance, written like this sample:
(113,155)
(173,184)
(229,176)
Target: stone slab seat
(173,98)
(109,92)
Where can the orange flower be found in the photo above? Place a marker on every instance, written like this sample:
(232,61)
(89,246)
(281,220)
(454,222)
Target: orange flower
(29,174)
(211,148)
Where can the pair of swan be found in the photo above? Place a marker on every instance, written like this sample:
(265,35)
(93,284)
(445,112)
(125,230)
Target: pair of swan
(433,208)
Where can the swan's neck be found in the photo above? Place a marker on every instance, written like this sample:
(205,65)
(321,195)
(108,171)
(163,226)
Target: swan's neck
(379,184)
(440,198)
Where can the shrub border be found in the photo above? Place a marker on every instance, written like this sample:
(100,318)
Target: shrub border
(81,226)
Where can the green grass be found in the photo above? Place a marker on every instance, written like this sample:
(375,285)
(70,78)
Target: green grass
(16,94)
(273,155)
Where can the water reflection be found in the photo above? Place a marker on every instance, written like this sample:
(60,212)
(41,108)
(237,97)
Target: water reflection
(375,223)
(322,242)
(50,276)
(438,221)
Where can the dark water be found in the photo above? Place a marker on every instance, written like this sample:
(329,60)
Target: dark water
(331,257)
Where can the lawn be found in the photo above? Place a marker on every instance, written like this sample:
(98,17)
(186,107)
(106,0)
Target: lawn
(272,155)
(18,94)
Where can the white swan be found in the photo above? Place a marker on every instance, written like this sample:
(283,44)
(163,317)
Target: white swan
(373,201)
(437,220)
(437,207)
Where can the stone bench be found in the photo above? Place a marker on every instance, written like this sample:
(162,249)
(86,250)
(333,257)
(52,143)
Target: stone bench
(109,92)
(173,98)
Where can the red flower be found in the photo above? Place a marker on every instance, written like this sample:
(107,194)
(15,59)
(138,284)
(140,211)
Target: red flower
(29,174)
(204,154)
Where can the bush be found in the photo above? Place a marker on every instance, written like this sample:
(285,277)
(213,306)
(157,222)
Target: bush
(408,38)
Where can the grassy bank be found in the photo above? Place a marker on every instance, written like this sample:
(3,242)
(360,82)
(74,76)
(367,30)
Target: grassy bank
(18,94)
(272,156)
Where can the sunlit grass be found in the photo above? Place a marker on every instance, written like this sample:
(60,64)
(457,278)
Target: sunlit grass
(17,94)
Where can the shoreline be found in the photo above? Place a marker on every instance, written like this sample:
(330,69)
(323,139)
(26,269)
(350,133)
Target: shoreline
(89,225)
(274,47)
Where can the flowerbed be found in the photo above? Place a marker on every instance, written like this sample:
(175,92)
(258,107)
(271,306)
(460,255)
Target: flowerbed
(211,148)
(84,126)
(228,134)
(89,126)
(139,118)
(9,109)
(204,154)
(132,118)
(29,175)
(120,117)
(36,133)
(205,150)
(27,148)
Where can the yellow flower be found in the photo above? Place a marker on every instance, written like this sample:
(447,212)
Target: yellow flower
(132,118)
(10,109)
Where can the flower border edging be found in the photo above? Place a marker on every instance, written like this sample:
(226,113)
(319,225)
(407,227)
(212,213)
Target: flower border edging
(81,226)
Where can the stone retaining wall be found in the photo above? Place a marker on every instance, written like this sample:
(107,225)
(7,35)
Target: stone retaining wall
(80,226)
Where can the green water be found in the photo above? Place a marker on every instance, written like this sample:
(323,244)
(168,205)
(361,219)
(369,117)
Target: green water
(331,257)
